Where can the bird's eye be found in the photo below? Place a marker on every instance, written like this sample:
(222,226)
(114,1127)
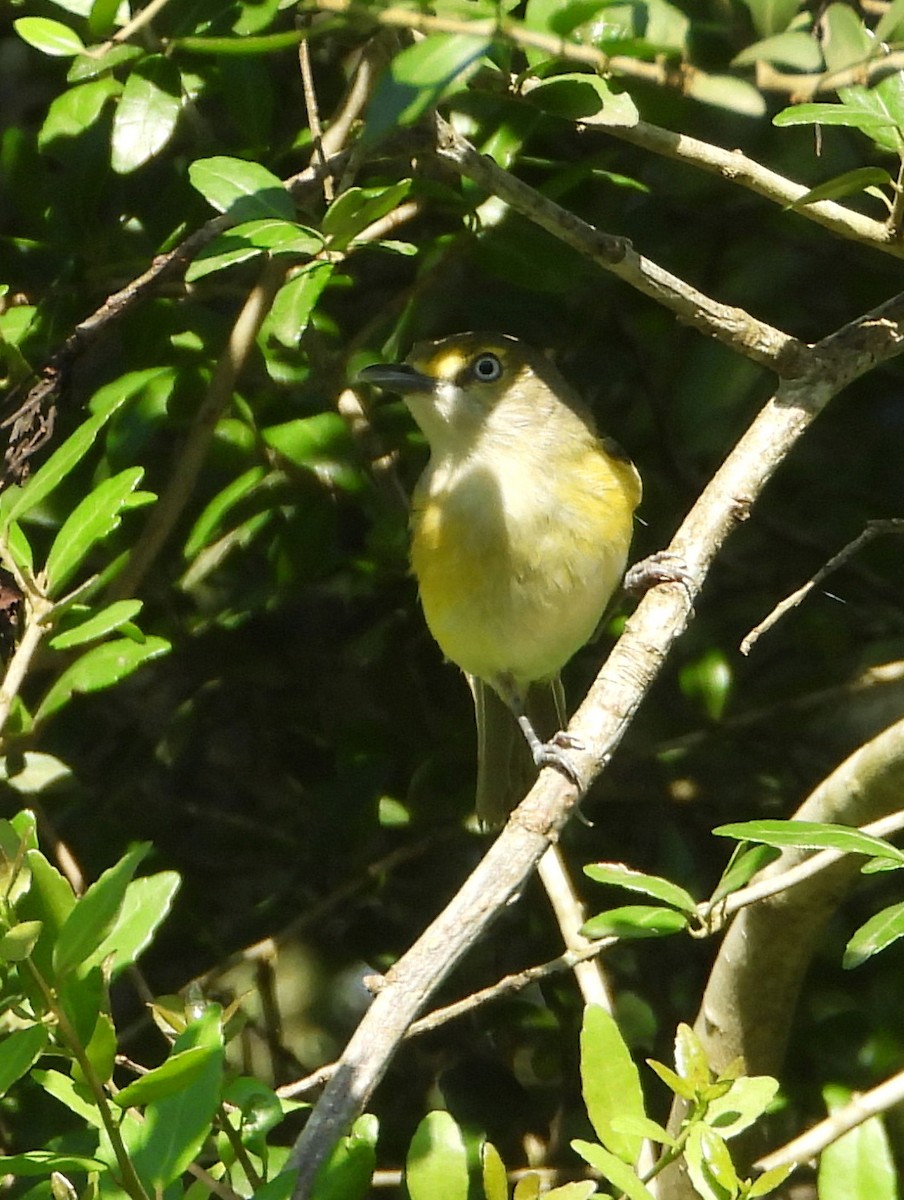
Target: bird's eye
(486,368)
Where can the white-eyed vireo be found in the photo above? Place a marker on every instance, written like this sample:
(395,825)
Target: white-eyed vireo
(521,524)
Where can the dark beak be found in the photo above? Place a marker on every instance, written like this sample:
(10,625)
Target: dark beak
(396,377)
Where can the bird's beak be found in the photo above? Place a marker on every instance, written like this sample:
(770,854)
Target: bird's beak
(397,377)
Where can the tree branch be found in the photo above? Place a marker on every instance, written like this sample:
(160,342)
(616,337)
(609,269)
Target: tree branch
(597,727)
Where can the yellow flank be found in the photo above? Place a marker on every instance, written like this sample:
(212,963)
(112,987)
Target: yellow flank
(521,524)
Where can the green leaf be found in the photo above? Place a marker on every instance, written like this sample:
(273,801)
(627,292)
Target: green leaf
(620,875)
(307,439)
(795,49)
(347,1173)
(690,1058)
(256,16)
(145,907)
(643,1127)
(772,16)
(170,1077)
(610,1082)
(95,912)
(744,1102)
(49,476)
(769,1181)
(612,1167)
(681,1087)
(90,66)
(45,1162)
(92,520)
(584,98)
(102,17)
(847,184)
(709,1165)
(810,835)
(76,109)
(245,190)
(50,900)
(572,1191)
(493,1173)
(744,863)
(96,625)
(295,302)
(213,518)
(436,1166)
(250,240)
(527,1187)
(728,92)
(418,78)
(875,935)
(357,208)
(176,1127)
(635,921)
(889,27)
(859,1165)
(50,37)
(99,668)
(19,1051)
(19,941)
(147,113)
(100,1050)
(62,1088)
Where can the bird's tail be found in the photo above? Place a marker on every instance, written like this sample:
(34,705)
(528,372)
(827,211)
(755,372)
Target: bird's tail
(505,766)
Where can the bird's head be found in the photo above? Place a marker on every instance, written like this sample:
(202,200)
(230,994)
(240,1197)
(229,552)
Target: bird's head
(472,385)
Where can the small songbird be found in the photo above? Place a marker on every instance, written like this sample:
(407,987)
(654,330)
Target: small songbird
(520,529)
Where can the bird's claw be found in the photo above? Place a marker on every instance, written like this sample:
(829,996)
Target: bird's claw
(661,567)
(554,753)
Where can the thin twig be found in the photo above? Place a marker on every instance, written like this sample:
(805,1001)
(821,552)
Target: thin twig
(754,339)
(570,915)
(873,530)
(859,1109)
(508,985)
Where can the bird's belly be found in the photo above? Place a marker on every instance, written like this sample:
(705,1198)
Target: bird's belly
(512,585)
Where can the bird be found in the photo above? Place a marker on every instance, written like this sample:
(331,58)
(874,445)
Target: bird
(521,524)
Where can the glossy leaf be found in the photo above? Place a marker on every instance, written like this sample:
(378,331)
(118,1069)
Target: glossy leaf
(743,1104)
(772,16)
(245,190)
(145,907)
(847,184)
(177,1126)
(623,876)
(62,1088)
(810,835)
(147,113)
(493,1173)
(418,78)
(584,98)
(250,240)
(92,520)
(624,1178)
(709,1165)
(436,1166)
(356,208)
(50,37)
(635,921)
(170,1077)
(744,863)
(307,439)
(77,109)
(19,941)
(96,625)
(51,473)
(295,302)
(795,49)
(859,1165)
(579,1190)
(95,912)
(43,1162)
(99,668)
(610,1082)
(874,936)
(19,1051)
(347,1173)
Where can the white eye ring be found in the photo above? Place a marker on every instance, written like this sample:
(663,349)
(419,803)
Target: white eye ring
(486,368)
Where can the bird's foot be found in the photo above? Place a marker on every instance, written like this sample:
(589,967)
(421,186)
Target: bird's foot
(661,567)
(554,753)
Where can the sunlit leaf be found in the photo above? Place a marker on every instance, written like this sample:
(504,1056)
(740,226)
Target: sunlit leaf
(875,935)
(610,1082)
(147,113)
(48,36)
(436,1166)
